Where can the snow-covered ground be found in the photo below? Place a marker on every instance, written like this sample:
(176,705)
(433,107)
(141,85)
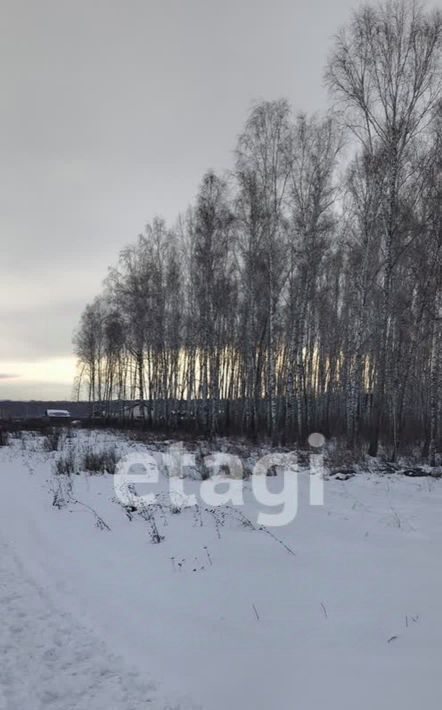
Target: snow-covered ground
(339,609)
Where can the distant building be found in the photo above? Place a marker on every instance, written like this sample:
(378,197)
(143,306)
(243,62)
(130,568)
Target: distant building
(136,410)
(57,413)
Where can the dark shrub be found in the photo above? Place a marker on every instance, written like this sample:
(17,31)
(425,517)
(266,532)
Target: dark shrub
(65,464)
(100,461)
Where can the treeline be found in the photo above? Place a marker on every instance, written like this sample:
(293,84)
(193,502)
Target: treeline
(302,290)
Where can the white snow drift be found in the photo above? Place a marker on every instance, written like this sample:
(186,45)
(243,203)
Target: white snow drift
(107,608)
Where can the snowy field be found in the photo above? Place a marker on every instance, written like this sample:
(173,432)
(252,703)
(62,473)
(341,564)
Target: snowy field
(340,609)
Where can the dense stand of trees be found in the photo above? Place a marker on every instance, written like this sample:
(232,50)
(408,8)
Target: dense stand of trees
(302,290)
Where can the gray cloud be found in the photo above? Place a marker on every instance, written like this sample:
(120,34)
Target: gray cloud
(110,112)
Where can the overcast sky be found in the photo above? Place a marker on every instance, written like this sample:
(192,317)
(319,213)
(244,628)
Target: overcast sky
(111,111)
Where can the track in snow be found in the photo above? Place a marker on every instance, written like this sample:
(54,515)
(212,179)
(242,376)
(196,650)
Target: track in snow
(48,661)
